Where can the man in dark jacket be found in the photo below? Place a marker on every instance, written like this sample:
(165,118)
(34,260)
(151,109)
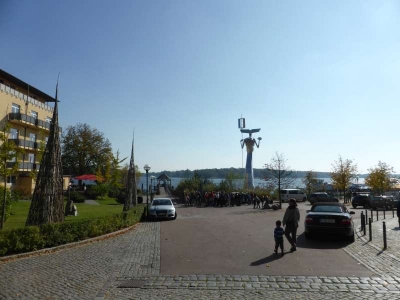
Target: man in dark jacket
(291,222)
(398,211)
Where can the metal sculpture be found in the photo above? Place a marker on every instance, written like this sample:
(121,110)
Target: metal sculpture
(250,142)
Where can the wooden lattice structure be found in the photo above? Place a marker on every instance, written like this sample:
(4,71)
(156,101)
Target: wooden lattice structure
(131,199)
(47,204)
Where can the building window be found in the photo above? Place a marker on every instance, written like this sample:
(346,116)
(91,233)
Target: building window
(11,179)
(46,139)
(32,137)
(12,153)
(34,114)
(13,133)
(48,120)
(31,158)
(15,108)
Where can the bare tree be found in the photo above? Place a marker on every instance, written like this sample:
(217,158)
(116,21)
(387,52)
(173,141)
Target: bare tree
(344,170)
(278,173)
(47,204)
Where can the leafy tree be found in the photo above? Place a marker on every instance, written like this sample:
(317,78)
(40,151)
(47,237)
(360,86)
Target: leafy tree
(378,178)
(310,182)
(39,155)
(84,150)
(9,160)
(232,182)
(344,170)
(278,173)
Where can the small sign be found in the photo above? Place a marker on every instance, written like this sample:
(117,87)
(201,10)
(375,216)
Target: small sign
(241,123)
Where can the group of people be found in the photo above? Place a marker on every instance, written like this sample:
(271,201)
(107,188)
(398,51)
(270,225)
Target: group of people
(221,199)
(290,221)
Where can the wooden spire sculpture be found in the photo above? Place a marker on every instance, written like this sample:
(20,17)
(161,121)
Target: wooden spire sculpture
(47,204)
(130,200)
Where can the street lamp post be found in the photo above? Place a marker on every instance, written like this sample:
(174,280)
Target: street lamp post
(147,169)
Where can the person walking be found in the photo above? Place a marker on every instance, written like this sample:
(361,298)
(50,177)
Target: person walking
(278,236)
(291,222)
(398,211)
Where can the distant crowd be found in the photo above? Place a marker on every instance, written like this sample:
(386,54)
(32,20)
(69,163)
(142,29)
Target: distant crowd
(224,199)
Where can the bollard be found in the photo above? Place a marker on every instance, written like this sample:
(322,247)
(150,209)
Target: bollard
(366,217)
(384,214)
(377,212)
(372,216)
(370,230)
(362,221)
(365,226)
(393,211)
(384,236)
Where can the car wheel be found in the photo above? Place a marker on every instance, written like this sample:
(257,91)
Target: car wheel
(351,238)
(176,215)
(307,235)
(304,199)
(355,206)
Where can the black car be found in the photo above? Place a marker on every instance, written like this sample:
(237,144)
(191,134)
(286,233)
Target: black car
(321,197)
(382,202)
(329,218)
(361,200)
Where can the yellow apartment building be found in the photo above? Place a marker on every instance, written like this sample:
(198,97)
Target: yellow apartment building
(26,109)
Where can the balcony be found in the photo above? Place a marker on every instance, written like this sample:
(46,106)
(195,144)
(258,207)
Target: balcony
(8,90)
(28,120)
(24,166)
(24,143)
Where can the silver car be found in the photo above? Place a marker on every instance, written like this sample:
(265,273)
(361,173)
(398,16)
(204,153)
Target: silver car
(162,208)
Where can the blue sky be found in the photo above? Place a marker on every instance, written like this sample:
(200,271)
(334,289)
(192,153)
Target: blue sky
(320,78)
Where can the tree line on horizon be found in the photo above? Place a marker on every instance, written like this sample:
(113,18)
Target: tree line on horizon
(223,173)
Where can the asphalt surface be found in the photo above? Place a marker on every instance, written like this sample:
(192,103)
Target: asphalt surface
(239,240)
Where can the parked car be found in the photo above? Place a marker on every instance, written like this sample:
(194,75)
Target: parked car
(382,202)
(296,194)
(321,197)
(162,208)
(363,200)
(329,218)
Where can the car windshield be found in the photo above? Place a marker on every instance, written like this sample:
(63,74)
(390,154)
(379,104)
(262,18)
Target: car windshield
(327,208)
(162,202)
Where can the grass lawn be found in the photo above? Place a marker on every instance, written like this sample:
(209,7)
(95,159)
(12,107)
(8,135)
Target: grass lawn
(85,211)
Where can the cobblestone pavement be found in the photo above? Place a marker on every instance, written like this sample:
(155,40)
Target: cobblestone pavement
(128,267)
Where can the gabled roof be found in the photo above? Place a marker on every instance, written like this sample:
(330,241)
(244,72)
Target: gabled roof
(163,177)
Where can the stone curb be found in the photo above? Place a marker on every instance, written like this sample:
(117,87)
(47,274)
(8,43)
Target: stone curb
(67,246)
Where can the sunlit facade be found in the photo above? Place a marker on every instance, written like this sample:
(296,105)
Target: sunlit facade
(27,110)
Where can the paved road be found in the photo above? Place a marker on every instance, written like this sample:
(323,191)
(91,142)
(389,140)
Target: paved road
(131,266)
(239,240)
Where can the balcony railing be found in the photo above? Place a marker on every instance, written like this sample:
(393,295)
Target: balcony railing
(24,143)
(24,97)
(24,166)
(29,119)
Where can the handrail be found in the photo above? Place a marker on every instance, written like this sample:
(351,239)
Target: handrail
(25,97)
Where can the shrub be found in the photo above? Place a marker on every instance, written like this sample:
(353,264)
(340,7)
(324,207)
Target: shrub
(77,197)
(33,238)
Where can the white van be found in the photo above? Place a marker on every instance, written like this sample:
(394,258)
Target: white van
(296,194)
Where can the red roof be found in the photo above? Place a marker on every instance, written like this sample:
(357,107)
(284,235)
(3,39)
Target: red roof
(87,177)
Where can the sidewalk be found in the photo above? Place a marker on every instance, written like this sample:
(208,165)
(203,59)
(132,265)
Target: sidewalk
(392,233)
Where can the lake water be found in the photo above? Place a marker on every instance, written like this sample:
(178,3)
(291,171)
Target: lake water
(257,182)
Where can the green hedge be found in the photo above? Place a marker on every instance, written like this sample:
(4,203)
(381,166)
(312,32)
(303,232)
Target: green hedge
(33,238)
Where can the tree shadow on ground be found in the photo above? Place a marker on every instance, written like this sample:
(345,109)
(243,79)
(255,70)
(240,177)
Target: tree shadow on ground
(322,242)
(267,259)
